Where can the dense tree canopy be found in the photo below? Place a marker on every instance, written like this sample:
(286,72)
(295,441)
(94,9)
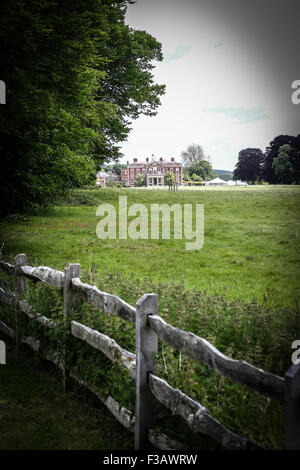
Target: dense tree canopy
(225,175)
(286,165)
(272,152)
(195,162)
(140,180)
(248,167)
(76,76)
(282,165)
(279,164)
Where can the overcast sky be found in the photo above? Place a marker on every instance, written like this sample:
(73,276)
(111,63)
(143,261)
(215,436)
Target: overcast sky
(228,68)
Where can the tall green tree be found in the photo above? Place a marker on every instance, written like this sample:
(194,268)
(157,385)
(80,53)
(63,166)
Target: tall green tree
(170,179)
(272,152)
(195,162)
(140,180)
(295,159)
(76,76)
(286,164)
(248,167)
(282,165)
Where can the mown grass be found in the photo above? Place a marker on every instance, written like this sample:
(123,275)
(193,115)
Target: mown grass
(251,246)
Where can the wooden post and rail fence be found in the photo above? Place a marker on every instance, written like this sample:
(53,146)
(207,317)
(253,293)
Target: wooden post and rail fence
(149,327)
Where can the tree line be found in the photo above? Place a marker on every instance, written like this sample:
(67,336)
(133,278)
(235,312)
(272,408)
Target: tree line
(196,165)
(279,164)
(76,76)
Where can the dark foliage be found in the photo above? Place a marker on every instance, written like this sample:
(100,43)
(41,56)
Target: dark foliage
(75,74)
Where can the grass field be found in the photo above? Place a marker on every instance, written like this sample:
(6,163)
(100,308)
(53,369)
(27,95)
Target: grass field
(240,292)
(251,246)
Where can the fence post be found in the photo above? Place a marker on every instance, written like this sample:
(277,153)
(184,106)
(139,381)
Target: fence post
(292,408)
(71,271)
(20,289)
(146,345)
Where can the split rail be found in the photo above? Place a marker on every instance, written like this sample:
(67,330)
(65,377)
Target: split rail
(149,327)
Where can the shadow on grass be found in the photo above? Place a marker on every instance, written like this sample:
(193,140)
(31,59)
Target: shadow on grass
(36,414)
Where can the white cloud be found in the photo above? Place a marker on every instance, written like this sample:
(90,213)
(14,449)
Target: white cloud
(179,52)
(242,115)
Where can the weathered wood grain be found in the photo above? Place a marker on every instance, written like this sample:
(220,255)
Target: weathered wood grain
(201,350)
(146,346)
(7,267)
(197,348)
(127,419)
(29,340)
(20,290)
(71,271)
(32,342)
(7,330)
(106,345)
(105,302)
(55,357)
(196,416)
(123,415)
(26,308)
(7,297)
(44,274)
(292,408)
(162,441)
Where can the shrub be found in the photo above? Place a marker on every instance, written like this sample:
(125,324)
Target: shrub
(78,198)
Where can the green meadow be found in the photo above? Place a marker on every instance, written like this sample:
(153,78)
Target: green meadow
(239,292)
(251,244)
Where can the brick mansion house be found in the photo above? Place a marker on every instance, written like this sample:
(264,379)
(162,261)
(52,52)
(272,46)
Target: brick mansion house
(154,171)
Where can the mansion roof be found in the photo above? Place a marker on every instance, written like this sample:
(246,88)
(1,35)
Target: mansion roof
(162,163)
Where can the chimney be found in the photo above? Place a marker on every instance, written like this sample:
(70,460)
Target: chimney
(147,160)
(172,159)
(135,160)
(161,159)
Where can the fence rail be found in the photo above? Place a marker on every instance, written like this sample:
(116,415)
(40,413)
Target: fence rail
(149,327)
